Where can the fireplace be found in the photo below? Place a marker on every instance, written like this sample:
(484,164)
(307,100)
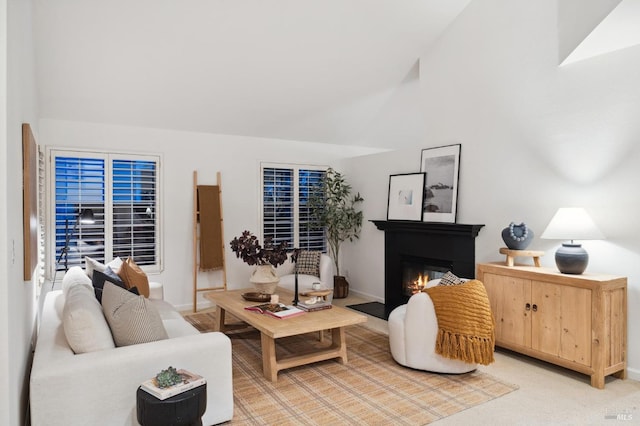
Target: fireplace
(424,248)
(417,271)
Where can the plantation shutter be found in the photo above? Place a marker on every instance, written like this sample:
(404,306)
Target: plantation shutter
(311,236)
(122,192)
(41,217)
(134,201)
(285,212)
(79,185)
(278,205)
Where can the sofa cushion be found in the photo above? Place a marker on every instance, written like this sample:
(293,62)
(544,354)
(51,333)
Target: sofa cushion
(309,262)
(74,276)
(133,276)
(132,318)
(83,322)
(90,265)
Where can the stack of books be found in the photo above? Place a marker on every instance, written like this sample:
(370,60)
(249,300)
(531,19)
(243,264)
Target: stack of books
(189,381)
(312,307)
(276,310)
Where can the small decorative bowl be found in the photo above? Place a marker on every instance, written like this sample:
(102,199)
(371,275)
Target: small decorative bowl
(256,297)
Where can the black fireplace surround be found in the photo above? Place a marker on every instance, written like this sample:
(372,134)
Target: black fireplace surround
(443,243)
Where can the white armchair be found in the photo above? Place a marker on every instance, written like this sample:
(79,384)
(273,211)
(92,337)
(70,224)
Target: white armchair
(413,329)
(287,276)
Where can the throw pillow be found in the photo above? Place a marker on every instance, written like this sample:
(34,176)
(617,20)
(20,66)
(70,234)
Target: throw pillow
(99,278)
(309,262)
(132,319)
(91,264)
(450,279)
(83,322)
(133,276)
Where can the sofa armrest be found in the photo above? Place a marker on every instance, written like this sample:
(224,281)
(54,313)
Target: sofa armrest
(95,386)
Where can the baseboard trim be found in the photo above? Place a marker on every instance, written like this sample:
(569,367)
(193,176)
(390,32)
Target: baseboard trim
(188,307)
(633,374)
(366,296)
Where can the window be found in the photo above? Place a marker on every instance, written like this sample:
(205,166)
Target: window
(122,193)
(285,213)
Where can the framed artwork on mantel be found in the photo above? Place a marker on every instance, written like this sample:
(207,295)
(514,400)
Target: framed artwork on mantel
(405,196)
(442,168)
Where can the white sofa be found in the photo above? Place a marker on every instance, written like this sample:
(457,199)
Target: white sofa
(413,329)
(99,387)
(287,276)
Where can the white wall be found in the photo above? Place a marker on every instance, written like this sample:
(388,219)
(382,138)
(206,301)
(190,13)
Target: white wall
(236,158)
(4,288)
(17,298)
(534,137)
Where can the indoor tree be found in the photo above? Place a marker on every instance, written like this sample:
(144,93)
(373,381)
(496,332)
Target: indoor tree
(334,207)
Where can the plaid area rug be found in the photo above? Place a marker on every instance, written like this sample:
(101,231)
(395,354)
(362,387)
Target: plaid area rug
(371,389)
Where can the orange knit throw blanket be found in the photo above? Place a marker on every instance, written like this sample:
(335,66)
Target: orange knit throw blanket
(465,322)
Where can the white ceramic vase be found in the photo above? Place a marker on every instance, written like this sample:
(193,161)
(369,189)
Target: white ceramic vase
(264,279)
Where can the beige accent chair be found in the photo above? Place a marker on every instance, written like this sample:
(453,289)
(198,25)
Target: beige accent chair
(287,276)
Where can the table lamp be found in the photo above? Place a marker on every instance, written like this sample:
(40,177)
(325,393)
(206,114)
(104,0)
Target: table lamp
(571,223)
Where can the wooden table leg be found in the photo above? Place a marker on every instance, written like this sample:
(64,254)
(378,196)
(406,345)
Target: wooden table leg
(269,364)
(339,342)
(219,324)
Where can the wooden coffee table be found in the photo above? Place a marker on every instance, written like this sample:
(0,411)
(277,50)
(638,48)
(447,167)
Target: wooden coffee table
(334,319)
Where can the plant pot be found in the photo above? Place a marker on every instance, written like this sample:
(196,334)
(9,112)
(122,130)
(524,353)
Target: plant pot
(340,287)
(265,279)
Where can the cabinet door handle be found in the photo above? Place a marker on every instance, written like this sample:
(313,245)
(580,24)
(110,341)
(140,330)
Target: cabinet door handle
(527,307)
(535,308)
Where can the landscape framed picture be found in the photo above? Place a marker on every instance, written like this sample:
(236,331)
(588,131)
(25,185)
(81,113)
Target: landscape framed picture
(442,168)
(406,193)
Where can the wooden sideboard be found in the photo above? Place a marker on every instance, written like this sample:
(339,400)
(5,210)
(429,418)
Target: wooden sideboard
(575,321)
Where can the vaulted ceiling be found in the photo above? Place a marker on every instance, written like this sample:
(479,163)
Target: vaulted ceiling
(309,70)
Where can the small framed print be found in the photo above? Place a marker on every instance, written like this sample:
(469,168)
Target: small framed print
(442,168)
(406,196)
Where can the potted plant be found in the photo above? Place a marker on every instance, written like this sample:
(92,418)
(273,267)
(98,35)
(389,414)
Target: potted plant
(248,248)
(334,208)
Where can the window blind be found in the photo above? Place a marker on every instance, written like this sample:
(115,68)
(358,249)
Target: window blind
(134,205)
(311,235)
(278,205)
(79,185)
(285,212)
(41,217)
(122,191)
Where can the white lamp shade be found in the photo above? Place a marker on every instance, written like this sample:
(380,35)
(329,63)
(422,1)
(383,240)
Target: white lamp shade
(572,223)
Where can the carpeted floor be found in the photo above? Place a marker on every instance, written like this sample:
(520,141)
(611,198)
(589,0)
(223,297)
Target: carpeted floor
(371,389)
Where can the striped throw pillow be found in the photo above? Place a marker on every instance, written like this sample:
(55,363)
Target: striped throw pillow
(132,319)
